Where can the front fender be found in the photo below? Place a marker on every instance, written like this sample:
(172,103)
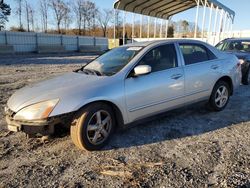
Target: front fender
(113,94)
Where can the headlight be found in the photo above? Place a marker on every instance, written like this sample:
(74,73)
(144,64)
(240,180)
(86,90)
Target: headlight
(36,111)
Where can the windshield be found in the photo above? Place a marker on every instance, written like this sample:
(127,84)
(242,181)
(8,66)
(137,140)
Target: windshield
(113,61)
(237,46)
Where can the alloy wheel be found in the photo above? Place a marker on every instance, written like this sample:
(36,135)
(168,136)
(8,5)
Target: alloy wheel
(221,96)
(99,127)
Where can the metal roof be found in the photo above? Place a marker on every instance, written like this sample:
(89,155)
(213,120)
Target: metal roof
(164,8)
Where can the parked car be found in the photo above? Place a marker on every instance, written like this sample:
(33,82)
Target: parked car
(123,86)
(241,48)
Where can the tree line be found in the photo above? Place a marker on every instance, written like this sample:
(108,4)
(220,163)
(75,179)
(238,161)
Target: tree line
(61,13)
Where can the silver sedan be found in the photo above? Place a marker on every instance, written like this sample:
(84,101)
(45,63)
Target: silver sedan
(123,86)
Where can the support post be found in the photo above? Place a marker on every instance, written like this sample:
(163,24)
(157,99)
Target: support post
(123,32)
(141,27)
(210,19)
(196,19)
(231,30)
(204,18)
(94,41)
(161,28)
(224,25)
(166,34)
(148,27)
(61,40)
(220,24)
(215,23)
(114,27)
(155,28)
(6,38)
(78,43)
(133,28)
(37,43)
(216,19)
(228,26)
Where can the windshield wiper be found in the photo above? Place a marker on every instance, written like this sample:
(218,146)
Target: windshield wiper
(81,69)
(95,72)
(89,71)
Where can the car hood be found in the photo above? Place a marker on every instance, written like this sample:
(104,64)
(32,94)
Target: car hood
(55,88)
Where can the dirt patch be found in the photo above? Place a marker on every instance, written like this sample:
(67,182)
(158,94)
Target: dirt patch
(189,147)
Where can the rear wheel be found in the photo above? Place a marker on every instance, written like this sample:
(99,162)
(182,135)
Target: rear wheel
(246,77)
(220,96)
(93,127)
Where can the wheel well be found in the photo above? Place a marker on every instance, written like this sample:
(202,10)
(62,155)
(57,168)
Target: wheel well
(228,80)
(116,110)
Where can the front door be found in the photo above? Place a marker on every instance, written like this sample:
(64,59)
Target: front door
(158,91)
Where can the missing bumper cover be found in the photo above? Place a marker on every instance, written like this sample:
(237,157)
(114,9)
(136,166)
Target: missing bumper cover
(42,127)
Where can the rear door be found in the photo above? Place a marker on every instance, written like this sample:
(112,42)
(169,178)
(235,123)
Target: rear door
(162,89)
(201,71)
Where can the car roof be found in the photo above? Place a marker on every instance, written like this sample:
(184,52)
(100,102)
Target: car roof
(147,43)
(237,39)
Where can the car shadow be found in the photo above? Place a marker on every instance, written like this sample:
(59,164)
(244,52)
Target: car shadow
(188,121)
(185,122)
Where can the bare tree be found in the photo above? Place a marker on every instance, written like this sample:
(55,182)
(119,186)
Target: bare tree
(78,8)
(67,17)
(88,10)
(104,18)
(44,7)
(91,16)
(19,13)
(118,24)
(29,15)
(32,17)
(185,26)
(60,9)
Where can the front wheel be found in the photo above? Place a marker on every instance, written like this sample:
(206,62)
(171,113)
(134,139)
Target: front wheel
(220,96)
(93,126)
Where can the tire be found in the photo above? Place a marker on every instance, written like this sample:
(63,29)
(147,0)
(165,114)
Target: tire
(246,77)
(89,131)
(218,102)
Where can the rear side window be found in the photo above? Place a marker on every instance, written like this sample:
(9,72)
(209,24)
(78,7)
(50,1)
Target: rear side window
(196,53)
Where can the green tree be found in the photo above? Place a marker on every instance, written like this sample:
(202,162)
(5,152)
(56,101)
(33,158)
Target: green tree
(5,11)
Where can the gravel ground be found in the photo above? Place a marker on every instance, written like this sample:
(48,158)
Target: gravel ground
(189,147)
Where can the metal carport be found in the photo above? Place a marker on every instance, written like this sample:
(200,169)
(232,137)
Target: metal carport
(165,9)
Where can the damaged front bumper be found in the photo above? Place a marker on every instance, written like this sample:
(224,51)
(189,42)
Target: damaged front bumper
(41,127)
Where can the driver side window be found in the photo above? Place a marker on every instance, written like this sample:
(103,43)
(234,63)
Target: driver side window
(161,58)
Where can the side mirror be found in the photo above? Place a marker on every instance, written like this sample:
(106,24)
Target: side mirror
(142,69)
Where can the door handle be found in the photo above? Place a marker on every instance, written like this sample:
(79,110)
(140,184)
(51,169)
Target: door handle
(176,76)
(214,67)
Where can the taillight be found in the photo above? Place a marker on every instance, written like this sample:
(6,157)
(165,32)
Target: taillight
(240,62)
